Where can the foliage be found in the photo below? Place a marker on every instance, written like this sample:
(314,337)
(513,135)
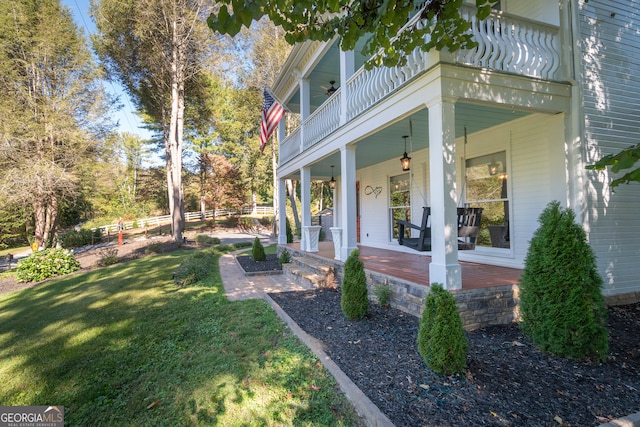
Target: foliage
(562,306)
(154,248)
(383,294)
(626,159)
(12,226)
(355,299)
(377,22)
(441,340)
(108,256)
(41,265)
(82,237)
(285,257)
(205,240)
(53,110)
(187,354)
(257,251)
(289,232)
(195,268)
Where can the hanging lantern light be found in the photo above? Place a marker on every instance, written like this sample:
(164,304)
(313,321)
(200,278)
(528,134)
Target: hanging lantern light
(332,182)
(405,160)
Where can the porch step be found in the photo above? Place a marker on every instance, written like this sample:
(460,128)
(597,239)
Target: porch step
(307,271)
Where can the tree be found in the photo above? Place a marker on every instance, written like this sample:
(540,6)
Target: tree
(52,110)
(378,20)
(224,189)
(626,159)
(563,310)
(156,48)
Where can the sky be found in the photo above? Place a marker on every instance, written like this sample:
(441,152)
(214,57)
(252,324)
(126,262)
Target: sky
(126,117)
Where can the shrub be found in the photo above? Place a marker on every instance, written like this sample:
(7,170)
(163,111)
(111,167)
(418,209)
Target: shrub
(194,268)
(289,232)
(285,257)
(441,340)
(383,294)
(563,310)
(154,248)
(266,221)
(108,256)
(355,298)
(82,237)
(204,240)
(44,264)
(257,251)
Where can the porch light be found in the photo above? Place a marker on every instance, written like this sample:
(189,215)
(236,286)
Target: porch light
(405,160)
(493,168)
(332,182)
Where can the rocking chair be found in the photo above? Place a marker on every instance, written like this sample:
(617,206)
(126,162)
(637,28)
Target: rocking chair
(468,229)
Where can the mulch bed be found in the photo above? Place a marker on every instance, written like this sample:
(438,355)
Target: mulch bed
(508,382)
(271,264)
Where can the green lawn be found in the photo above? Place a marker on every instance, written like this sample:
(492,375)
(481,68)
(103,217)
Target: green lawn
(268,250)
(124,346)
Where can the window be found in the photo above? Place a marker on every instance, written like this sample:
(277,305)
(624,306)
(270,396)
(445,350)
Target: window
(399,202)
(486,187)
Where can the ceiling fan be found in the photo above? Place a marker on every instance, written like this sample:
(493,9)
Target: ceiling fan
(329,90)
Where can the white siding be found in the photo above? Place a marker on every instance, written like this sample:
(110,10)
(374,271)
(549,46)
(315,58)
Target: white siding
(536,168)
(610,55)
(539,10)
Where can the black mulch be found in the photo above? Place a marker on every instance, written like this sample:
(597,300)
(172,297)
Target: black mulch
(508,383)
(250,266)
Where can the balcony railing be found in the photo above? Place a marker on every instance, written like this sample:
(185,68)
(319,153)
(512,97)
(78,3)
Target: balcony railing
(505,43)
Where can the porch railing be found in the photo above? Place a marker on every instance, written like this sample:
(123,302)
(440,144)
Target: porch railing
(505,43)
(323,121)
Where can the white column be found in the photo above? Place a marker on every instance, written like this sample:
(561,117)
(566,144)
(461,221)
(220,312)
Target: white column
(444,267)
(305,107)
(282,211)
(347,68)
(348,197)
(305,200)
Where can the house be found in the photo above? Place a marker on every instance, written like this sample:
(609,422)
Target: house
(508,126)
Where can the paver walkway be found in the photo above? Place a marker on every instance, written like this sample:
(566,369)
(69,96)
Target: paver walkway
(238,286)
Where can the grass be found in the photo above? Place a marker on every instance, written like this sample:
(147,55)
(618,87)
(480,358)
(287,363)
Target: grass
(124,346)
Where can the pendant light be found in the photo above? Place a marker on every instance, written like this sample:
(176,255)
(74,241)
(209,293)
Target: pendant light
(405,160)
(332,183)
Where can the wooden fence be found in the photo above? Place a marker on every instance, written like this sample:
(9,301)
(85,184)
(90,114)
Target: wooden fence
(189,217)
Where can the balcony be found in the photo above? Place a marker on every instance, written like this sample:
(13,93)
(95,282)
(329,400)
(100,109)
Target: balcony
(506,43)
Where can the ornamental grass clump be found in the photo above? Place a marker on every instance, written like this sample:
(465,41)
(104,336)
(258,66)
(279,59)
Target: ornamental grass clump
(561,302)
(257,251)
(44,264)
(441,340)
(355,298)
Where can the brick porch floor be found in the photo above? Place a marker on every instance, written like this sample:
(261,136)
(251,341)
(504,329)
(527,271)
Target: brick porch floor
(415,267)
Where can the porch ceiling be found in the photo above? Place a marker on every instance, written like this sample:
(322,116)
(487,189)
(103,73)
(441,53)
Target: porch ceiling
(388,143)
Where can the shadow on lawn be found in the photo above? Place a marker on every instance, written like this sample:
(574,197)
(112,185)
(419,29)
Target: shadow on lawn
(122,345)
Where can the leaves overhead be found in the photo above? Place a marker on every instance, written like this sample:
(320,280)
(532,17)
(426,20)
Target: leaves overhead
(378,22)
(626,159)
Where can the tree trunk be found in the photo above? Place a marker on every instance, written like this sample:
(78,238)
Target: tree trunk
(175,137)
(45,211)
(291,188)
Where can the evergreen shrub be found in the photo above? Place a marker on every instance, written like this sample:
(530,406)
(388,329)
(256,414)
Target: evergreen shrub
(355,299)
(289,232)
(441,340)
(285,257)
(383,294)
(82,237)
(561,303)
(257,251)
(44,264)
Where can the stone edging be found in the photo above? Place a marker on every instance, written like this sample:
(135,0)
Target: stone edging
(256,273)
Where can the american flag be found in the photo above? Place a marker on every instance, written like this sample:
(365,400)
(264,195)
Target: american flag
(272,112)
